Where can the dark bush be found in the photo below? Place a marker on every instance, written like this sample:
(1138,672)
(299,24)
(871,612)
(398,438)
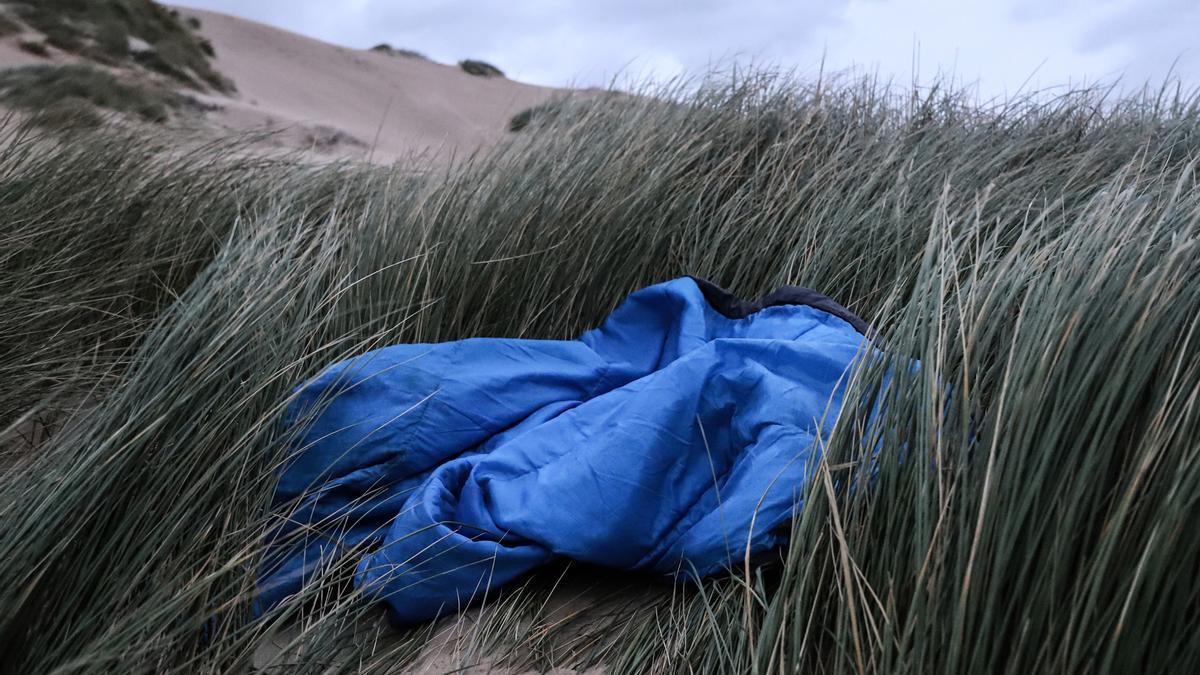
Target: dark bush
(155,61)
(521,120)
(112,40)
(480,68)
(64,37)
(35,47)
(385,48)
(541,113)
(556,110)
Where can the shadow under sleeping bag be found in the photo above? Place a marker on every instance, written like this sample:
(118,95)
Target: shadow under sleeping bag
(655,442)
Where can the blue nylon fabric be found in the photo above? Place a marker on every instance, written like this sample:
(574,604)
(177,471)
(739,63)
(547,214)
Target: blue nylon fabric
(670,439)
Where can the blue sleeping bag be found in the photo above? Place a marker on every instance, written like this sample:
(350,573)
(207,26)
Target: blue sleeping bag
(676,438)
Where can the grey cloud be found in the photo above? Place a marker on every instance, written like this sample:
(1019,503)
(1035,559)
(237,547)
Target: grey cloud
(1157,35)
(1148,37)
(559,42)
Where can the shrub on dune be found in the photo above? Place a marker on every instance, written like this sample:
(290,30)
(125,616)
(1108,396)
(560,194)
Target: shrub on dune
(480,68)
(101,31)
(35,47)
(540,113)
(385,48)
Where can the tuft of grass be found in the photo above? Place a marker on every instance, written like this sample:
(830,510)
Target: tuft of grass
(552,111)
(480,68)
(540,112)
(63,37)
(1036,256)
(35,47)
(101,31)
(52,92)
(385,48)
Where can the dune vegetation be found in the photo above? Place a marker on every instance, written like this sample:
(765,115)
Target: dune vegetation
(78,95)
(102,30)
(1038,256)
(539,114)
(385,48)
(480,68)
(123,56)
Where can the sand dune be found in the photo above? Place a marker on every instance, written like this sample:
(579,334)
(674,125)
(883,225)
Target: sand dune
(334,101)
(351,102)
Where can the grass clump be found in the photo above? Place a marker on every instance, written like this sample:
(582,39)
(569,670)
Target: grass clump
(35,47)
(541,112)
(480,68)
(58,93)
(385,48)
(554,111)
(101,30)
(1036,256)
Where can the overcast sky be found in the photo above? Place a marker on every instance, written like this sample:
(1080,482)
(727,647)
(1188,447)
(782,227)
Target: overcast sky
(1000,45)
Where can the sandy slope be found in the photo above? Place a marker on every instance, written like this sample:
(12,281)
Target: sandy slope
(345,101)
(337,101)
(348,102)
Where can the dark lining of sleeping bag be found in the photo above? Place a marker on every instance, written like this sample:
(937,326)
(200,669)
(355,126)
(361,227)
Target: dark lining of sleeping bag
(675,438)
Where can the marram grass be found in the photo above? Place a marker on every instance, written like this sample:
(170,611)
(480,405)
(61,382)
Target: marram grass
(1038,257)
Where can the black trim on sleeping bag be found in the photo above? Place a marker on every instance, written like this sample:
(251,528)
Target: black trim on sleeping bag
(733,307)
